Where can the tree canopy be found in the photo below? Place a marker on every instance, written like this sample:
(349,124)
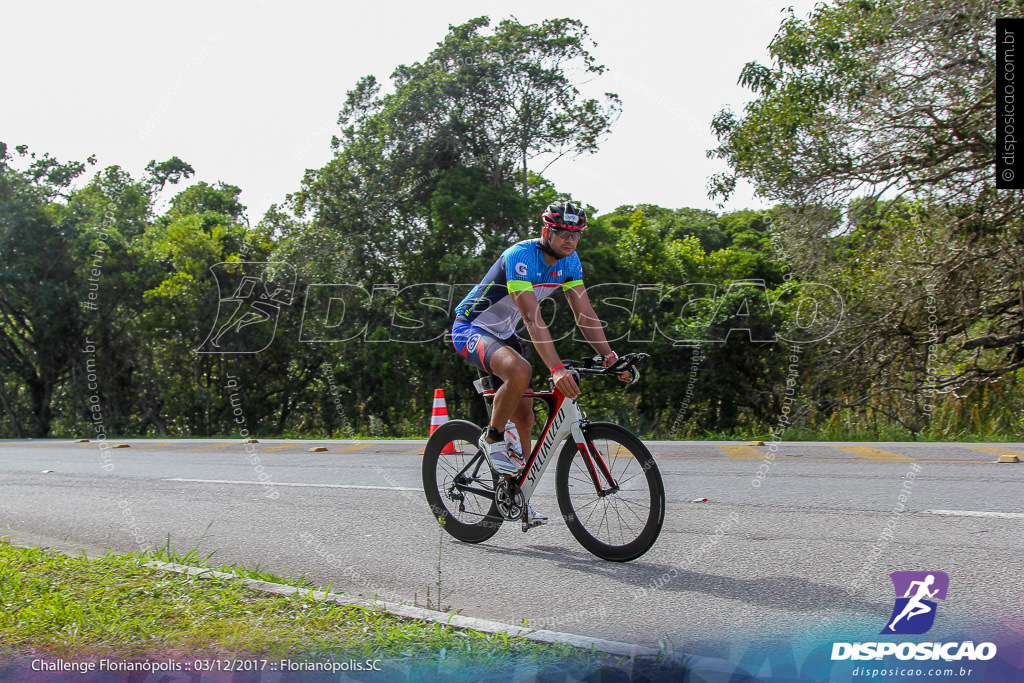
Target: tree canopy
(881,292)
(873,127)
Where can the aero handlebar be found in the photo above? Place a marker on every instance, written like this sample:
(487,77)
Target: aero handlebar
(595,365)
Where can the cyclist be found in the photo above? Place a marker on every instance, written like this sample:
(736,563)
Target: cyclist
(484,328)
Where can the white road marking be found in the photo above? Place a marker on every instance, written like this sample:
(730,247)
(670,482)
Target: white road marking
(974,513)
(279,483)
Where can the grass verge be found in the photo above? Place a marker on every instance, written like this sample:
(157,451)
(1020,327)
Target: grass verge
(75,608)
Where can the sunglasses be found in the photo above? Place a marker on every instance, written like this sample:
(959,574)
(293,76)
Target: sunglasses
(567,234)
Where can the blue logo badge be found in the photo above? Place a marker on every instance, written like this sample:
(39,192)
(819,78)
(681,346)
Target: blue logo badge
(913,612)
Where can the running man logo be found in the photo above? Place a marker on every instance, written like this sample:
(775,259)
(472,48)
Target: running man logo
(251,295)
(913,613)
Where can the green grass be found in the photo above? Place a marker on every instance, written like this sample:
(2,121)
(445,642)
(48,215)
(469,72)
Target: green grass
(73,607)
(987,419)
(194,559)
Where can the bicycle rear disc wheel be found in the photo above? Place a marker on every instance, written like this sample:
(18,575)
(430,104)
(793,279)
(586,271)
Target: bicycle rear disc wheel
(458,483)
(618,523)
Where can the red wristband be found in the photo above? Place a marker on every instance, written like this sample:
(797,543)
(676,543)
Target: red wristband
(557,368)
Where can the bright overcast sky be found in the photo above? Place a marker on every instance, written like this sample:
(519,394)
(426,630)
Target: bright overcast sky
(249,92)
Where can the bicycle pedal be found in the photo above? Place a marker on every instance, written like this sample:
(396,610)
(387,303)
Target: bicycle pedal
(531,519)
(533,524)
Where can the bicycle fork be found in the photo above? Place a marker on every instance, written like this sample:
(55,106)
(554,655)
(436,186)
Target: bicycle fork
(596,464)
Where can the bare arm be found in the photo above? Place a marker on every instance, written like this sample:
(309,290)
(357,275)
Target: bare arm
(526,302)
(587,320)
(592,328)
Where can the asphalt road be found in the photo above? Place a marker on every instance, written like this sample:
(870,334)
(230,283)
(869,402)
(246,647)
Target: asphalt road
(801,557)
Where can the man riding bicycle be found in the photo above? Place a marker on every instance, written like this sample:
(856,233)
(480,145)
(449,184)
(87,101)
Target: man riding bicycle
(484,328)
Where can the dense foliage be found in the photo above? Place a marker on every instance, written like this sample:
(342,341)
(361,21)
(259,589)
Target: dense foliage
(873,127)
(882,295)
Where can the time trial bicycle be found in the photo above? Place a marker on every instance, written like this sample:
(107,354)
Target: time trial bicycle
(609,488)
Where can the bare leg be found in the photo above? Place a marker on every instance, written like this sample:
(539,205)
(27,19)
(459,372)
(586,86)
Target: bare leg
(514,372)
(522,418)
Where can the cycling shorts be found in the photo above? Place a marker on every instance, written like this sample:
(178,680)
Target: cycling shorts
(478,346)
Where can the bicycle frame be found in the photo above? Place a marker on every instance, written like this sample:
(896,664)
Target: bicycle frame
(564,421)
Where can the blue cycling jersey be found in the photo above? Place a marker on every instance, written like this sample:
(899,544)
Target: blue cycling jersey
(520,267)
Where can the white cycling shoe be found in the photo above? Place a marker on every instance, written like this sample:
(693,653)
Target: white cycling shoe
(497,456)
(533,519)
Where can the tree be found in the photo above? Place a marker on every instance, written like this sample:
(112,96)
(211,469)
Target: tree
(873,127)
(869,96)
(513,93)
(170,171)
(112,211)
(40,323)
(494,102)
(431,181)
(711,313)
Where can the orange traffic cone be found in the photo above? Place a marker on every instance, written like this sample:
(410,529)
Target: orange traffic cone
(438,416)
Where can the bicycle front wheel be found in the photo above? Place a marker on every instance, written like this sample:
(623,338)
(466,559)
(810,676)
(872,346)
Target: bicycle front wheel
(612,499)
(458,483)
